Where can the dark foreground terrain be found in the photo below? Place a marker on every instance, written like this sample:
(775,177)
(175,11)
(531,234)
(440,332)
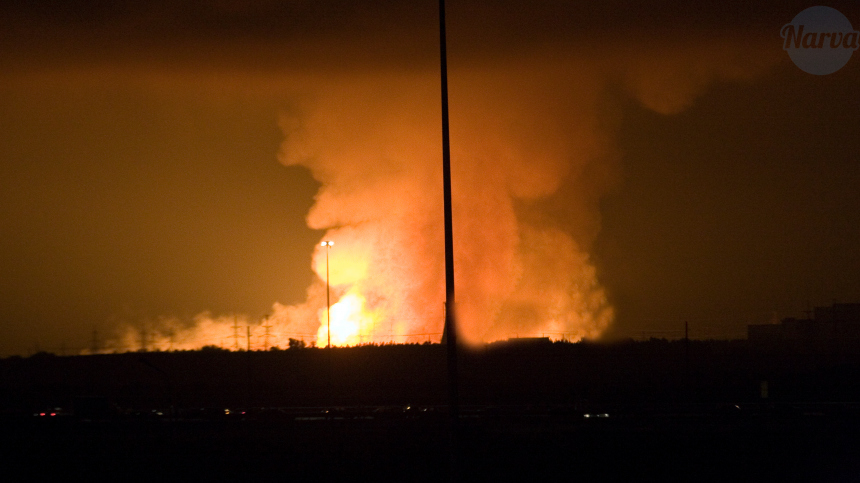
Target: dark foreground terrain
(650,411)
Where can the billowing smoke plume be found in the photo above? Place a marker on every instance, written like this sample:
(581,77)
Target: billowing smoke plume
(532,156)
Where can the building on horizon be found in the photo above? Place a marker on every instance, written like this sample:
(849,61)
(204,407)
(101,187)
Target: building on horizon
(830,329)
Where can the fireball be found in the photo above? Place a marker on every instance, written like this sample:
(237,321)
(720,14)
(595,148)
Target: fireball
(350,324)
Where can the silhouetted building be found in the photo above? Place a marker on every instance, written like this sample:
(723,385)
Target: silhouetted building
(834,328)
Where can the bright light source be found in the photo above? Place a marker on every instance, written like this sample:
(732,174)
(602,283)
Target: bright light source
(327,243)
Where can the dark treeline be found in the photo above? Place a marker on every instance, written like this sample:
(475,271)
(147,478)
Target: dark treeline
(641,375)
(531,411)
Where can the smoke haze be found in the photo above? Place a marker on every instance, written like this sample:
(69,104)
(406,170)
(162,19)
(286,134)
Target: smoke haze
(537,100)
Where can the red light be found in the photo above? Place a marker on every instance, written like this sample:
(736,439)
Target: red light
(41,414)
(53,414)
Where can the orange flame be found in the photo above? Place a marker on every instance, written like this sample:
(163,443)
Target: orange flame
(351,323)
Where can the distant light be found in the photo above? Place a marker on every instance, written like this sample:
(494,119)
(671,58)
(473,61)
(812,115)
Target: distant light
(327,243)
(586,415)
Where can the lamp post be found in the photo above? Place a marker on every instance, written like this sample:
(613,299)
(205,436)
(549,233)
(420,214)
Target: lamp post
(327,244)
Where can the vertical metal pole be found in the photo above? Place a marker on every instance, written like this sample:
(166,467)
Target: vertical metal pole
(328,245)
(235,333)
(450,329)
(95,347)
(450,310)
(687,346)
(687,377)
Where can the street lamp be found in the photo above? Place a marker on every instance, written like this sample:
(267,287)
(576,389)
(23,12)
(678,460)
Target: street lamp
(327,244)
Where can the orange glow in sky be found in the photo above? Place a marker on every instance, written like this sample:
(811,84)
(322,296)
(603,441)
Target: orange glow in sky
(167,184)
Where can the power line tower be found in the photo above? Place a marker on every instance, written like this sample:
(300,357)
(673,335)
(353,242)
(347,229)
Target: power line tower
(143,337)
(235,333)
(266,335)
(171,335)
(94,347)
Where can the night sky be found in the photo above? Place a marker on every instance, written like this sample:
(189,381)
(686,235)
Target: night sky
(150,169)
